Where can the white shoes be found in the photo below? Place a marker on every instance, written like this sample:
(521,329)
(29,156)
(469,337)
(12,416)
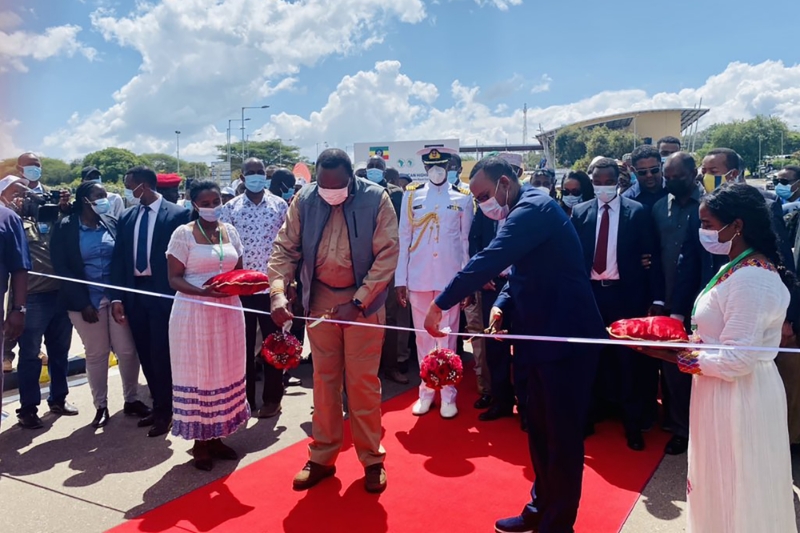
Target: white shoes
(421,407)
(448,410)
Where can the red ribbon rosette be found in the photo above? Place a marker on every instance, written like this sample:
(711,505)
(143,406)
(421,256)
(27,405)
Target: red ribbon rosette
(239,282)
(282,350)
(441,367)
(652,328)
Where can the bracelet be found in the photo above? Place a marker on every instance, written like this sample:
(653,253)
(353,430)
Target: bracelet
(277,291)
(688,362)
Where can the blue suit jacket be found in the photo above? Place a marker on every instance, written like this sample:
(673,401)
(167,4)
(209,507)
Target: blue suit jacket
(169,217)
(548,292)
(635,238)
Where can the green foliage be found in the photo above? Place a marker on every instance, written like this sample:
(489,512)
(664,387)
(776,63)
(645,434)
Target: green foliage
(576,147)
(112,163)
(273,152)
(532,160)
(570,146)
(745,136)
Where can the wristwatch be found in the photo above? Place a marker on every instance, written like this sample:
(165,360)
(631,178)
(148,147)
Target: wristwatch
(358,304)
(21,308)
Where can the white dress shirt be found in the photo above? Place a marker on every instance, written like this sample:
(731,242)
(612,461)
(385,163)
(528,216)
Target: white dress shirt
(612,269)
(151,226)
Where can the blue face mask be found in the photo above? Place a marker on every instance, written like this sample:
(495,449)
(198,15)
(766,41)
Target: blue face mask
(32,173)
(783,191)
(256,183)
(375,175)
(452,177)
(287,195)
(633,177)
(101,206)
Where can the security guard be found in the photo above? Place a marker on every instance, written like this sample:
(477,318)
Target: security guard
(434,246)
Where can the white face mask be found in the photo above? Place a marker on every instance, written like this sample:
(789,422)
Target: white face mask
(605,193)
(709,238)
(437,175)
(333,196)
(492,208)
(209,214)
(571,201)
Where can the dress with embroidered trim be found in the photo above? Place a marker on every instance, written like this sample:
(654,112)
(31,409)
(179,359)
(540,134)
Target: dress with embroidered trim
(740,472)
(207,345)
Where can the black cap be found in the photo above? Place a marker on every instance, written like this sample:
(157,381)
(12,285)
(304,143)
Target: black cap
(88,171)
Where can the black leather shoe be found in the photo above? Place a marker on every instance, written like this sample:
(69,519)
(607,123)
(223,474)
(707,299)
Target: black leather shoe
(635,441)
(148,420)
(402,366)
(495,412)
(523,423)
(63,409)
(101,418)
(30,421)
(483,402)
(136,408)
(160,427)
(676,446)
(396,376)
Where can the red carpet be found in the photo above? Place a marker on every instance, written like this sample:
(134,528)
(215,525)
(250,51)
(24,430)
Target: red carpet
(444,476)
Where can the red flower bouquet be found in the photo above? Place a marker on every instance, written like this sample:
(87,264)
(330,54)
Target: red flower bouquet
(282,350)
(652,328)
(441,367)
(239,282)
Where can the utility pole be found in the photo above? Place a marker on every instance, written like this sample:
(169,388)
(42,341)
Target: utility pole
(525,124)
(178,148)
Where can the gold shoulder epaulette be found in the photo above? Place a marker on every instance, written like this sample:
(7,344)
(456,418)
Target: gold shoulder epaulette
(464,190)
(414,185)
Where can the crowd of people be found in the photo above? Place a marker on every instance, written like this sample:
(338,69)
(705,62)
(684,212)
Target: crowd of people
(516,252)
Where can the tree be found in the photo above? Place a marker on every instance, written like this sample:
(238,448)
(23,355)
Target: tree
(161,163)
(55,171)
(532,160)
(570,146)
(759,136)
(113,162)
(273,152)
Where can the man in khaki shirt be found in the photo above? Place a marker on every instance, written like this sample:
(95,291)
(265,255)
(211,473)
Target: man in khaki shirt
(340,239)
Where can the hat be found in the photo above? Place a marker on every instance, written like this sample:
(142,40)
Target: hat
(8,181)
(227,191)
(511,159)
(88,171)
(435,155)
(167,181)
(405,177)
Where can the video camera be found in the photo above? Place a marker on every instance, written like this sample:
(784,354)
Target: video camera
(43,208)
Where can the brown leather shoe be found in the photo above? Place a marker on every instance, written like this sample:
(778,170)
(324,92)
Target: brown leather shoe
(375,478)
(311,474)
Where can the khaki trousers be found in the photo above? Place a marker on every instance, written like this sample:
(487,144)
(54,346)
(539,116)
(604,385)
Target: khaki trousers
(789,368)
(351,354)
(474,314)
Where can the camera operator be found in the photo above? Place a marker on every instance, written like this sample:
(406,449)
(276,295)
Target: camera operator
(46,318)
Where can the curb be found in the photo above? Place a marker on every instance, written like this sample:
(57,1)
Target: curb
(76,365)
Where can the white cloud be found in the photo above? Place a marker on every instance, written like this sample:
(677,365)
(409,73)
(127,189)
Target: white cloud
(9,20)
(543,86)
(18,46)
(502,5)
(7,147)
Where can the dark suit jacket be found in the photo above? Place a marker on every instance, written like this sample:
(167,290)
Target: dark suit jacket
(395,195)
(635,238)
(696,266)
(481,233)
(169,217)
(548,292)
(67,260)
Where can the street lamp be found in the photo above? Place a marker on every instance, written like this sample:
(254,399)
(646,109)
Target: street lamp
(257,107)
(229,136)
(178,148)
(247,143)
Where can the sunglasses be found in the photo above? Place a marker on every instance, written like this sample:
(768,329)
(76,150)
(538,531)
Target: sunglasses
(784,181)
(567,192)
(654,171)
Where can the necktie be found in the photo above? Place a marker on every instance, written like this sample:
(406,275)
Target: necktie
(141,243)
(601,250)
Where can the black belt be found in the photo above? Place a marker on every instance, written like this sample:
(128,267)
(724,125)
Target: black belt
(605,282)
(142,280)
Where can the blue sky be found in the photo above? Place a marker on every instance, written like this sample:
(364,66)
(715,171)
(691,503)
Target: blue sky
(567,60)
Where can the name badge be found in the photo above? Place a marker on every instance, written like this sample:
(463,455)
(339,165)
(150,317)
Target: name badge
(455,207)
(417,206)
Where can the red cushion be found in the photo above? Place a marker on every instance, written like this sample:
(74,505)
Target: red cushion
(652,328)
(239,282)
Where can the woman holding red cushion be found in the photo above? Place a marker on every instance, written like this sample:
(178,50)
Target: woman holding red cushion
(740,472)
(207,343)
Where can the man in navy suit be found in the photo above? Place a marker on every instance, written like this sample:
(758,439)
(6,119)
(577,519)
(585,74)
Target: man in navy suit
(140,262)
(616,233)
(548,294)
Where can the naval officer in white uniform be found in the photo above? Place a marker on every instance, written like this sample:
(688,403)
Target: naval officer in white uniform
(434,246)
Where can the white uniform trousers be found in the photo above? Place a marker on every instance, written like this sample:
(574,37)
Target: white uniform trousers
(420,301)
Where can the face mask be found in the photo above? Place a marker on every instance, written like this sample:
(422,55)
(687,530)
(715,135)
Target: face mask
(633,177)
(571,201)
(437,175)
(783,191)
(543,189)
(32,173)
(452,177)
(709,238)
(209,214)
(101,206)
(492,208)
(256,183)
(375,175)
(95,180)
(605,193)
(333,196)
(287,195)
(677,188)
(663,160)
(130,197)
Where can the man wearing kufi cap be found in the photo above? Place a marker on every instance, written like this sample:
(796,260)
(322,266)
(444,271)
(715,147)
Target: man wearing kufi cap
(515,160)
(434,245)
(167,186)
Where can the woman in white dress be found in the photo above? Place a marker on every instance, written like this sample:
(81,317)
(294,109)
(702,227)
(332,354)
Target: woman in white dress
(740,472)
(207,344)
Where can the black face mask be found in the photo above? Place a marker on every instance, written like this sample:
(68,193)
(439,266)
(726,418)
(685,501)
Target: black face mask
(678,187)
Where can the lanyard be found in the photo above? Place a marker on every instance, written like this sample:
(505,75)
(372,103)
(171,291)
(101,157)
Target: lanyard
(221,253)
(724,270)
